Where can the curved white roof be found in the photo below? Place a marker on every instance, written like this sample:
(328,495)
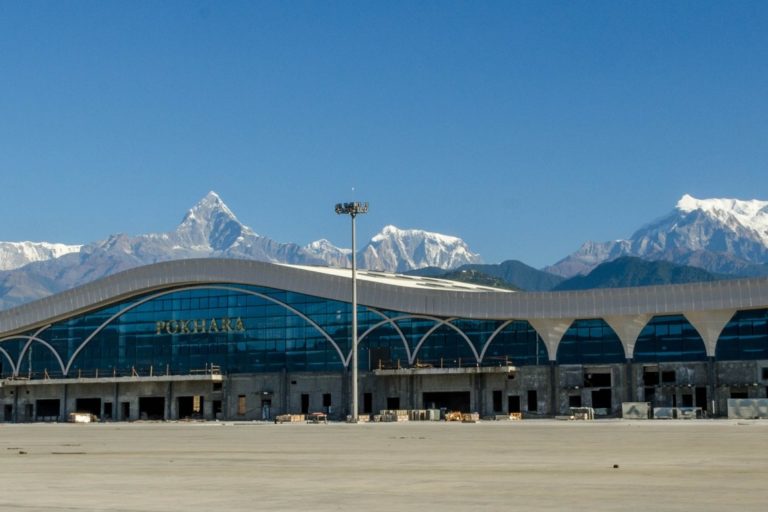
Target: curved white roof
(416,295)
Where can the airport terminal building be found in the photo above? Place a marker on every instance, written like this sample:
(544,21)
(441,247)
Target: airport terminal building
(246,340)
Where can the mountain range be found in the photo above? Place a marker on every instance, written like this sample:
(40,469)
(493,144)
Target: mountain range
(209,229)
(700,239)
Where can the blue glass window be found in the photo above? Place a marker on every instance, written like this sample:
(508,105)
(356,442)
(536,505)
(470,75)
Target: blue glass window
(590,342)
(744,337)
(669,338)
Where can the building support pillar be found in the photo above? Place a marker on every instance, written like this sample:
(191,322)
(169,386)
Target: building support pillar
(64,404)
(711,385)
(630,388)
(285,399)
(412,391)
(169,401)
(345,396)
(117,406)
(553,389)
(16,405)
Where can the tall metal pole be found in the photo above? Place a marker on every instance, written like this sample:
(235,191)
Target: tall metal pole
(354,323)
(353,209)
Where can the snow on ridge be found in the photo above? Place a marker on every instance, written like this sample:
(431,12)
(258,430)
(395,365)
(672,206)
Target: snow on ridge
(323,245)
(751,214)
(17,254)
(391,230)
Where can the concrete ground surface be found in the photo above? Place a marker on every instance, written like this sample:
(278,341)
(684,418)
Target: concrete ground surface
(527,465)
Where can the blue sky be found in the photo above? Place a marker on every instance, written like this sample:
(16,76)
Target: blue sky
(525,128)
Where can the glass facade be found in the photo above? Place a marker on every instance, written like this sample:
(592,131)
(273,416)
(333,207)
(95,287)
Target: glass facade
(590,342)
(745,336)
(245,329)
(669,338)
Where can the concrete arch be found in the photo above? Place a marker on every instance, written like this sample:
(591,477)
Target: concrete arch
(551,331)
(709,325)
(628,329)
(205,287)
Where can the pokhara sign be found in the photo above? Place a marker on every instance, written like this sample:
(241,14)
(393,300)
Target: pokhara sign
(200,326)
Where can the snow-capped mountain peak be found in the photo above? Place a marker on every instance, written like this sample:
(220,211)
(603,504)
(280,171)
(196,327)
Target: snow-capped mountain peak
(391,231)
(407,249)
(211,224)
(752,214)
(720,235)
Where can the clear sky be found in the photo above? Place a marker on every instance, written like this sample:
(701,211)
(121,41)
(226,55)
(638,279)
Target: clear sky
(525,128)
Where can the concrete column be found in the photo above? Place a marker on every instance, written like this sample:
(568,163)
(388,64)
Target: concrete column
(476,386)
(630,391)
(711,385)
(554,405)
(412,391)
(285,402)
(169,401)
(64,405)
(116,405)
(345,397)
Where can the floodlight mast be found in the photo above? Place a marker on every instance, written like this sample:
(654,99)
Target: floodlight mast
(353,210)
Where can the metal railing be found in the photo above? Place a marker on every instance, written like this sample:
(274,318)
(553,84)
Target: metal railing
(96,373)
(443,362)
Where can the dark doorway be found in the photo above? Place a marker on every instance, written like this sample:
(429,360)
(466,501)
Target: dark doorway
(8,413)
(448,400)
(266,409)
(217,409)
(393,403)
(574,401)
(601,399)
(151,407)
(190,407)
(497,401)
(327,403)
(48,409)
(513,403)
(107,410)
(89,405)
(28,412)
(701,397)
(126,411)
(367,403)
(533,400)
(687,400)
(304,404)
(650,395)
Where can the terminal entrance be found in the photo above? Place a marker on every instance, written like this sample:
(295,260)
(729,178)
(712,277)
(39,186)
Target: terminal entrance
(89,405)
(48,409)
(151,408)
(190,406)
(449,400)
